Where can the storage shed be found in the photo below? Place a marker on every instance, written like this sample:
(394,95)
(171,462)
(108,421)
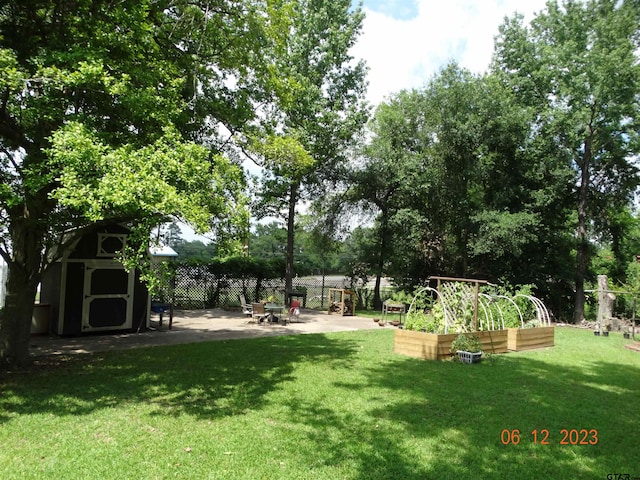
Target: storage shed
(90,291)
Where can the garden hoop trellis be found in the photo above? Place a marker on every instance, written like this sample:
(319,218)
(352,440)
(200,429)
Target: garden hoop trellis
(455,300)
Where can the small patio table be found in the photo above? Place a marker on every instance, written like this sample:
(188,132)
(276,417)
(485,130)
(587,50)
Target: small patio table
(272,309)
(389,307)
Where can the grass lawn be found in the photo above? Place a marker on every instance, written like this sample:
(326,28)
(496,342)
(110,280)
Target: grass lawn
(335,406)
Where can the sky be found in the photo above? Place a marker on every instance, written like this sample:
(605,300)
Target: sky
(406,42)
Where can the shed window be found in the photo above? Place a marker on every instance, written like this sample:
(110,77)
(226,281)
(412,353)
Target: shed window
(109,244)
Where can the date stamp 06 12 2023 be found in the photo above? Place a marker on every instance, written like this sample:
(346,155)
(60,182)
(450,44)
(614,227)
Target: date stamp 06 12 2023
(567,436)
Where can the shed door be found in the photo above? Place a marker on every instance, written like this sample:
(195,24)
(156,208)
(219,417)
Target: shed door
(108,297)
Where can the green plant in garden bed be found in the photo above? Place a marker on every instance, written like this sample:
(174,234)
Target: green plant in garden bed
(425,314)
(505,309)
(466,342)
(499,307)
(335,406)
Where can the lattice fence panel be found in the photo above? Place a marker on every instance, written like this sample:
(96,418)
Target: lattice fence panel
(196,287)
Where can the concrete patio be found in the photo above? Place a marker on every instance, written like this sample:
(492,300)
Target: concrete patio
(190,326)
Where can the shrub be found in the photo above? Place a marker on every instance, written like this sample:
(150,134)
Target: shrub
(466,342)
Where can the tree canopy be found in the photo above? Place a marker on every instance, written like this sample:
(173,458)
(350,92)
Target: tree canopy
(519,173)
(453,187)
(108,113)
(317,112)
(577,66)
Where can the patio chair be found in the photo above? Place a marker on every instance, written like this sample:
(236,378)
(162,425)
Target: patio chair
(247,308)
(161,307)
(258,311)
(294,310)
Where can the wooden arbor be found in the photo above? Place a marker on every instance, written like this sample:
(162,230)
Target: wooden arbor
(341,302)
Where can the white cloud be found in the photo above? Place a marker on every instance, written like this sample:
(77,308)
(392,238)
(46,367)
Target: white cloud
(407,53)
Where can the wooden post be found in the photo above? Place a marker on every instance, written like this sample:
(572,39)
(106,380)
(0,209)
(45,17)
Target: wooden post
(475,307)
(605,302)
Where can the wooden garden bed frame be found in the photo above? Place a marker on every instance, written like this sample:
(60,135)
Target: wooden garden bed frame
(519,339)
(433,346)
(341,302)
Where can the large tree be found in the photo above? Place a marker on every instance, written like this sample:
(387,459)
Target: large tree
(98,103)
(390,183)
(456,187)
(577,66)
(318,109)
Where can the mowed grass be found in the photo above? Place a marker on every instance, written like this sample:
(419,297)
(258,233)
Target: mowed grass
(334,406)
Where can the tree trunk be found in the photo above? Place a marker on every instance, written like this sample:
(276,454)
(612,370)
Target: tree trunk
(24,274)
(377,298)
(15,324)
(289,272)
(582,251)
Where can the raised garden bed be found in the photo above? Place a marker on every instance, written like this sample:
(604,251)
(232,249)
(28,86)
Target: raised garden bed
(433,346)
(520,339)
(459,305)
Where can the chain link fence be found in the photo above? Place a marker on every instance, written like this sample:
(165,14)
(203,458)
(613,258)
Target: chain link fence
(195,287)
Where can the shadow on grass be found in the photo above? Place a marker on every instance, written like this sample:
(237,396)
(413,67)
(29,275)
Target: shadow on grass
(208,380)
(446,420)
(464,410)
(416,419)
